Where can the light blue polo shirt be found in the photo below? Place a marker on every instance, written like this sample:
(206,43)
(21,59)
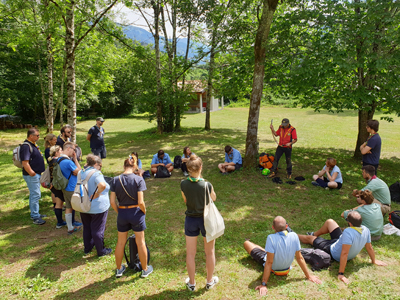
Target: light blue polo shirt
(235,157)
(156,160)
(339,177)
(284,245)
(139,164)
(102,203)
(351,236)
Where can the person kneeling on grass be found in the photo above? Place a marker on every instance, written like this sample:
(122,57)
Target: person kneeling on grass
(233,161)
(128,189)
(280,250)
(333,179)
(343,246)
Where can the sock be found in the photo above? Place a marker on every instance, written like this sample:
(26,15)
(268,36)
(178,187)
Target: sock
(68,219)
(58,213)
(73,216)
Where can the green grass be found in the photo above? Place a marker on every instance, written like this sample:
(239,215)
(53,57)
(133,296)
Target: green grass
(40,262)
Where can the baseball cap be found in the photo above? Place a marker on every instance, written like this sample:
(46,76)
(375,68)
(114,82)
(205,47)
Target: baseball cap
(285,122)
(100,119)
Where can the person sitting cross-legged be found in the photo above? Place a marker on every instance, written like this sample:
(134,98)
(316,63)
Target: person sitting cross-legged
(343,246)
(333,179)
(161,159)
(233,161)
(280,250)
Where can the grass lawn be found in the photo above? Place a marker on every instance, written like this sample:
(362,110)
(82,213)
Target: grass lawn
(41,262)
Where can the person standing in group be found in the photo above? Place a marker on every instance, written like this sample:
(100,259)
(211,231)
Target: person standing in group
(371,149)
(32,168)
(194,194)
(70,167)
(96,138)
(94,220)
(65,135)
(128,189)
(287,137)
(49,141)
(185,158)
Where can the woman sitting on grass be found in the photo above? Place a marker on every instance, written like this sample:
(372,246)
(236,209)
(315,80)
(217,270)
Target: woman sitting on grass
(128,189)
(139,171)
(333,179)
(194,194)
(185,158)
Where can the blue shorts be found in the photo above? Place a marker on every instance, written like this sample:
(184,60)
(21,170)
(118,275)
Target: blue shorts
(131,218)
(193,226)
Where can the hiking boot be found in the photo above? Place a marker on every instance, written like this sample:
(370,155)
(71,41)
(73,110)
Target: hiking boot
(106,251)
(77,224)
(39,221)
(147,272)
(186,174)
(189,285)
(211,284)
(40,217)
(121,271)
(310,233)
(61,225)
(289,176)
(314,183)
(76,228)
(271,175)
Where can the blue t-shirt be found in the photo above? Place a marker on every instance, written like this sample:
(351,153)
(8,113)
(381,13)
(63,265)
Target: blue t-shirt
(132,184)
(97,137)
(35,158)
(184,156)
(339,177)
(235,157)
(139,164)
(352,237)
(67,167)
(102,203)
(284,245)
(156,160)
(375,143)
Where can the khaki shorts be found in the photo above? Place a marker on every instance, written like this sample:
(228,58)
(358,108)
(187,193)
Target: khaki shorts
(384,208)
(67,198)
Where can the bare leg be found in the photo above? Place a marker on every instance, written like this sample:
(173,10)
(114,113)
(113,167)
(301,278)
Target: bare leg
(230,168)
(119,249)
(329,226)
(154,170)
(142,250)
(59,203)
(315,177)
(249,246)
(210,258)
(191,248)
(170,168)
(221,168)
(332,185)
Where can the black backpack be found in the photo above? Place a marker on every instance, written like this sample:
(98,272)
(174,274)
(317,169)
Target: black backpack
(162,172)
(177,162)
(133,261)
(394,218)
(395,191)
(317,258)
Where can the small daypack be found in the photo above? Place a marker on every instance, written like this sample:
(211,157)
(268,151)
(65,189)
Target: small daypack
(317,258)
(162,172)
(59,181)
(133,261)
(80,200)
(177,162)
(16,154)
(146,174)
(395,192)
(266,160)
(394,218)
(45,179)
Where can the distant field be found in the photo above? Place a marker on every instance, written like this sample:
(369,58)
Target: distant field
(40,262)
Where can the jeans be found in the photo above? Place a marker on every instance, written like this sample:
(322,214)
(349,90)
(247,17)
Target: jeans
(33,184)
(288,155)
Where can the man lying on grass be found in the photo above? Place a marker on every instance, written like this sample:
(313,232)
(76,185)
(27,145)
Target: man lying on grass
(345,245)
(280,250)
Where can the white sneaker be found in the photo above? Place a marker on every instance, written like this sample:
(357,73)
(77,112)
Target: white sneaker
(186,174)
(211,284)
(189,286)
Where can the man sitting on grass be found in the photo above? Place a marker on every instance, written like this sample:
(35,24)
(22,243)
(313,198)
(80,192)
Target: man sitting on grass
(370,213)
(343,246)
(280,250)
(161,159)
(233,161)
(378,187)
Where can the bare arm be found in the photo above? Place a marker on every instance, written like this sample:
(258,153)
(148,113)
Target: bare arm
(183,196)
(273,130)
(321,173)
(113,197)
(267,273)
(88,137)
(302,263)
(141,202)
(365,149)
(371,254)
(343,262)
(27,168)
(213,195)
(100,188)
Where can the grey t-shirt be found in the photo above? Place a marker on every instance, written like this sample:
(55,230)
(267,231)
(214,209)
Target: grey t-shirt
(132,184)
(195,193)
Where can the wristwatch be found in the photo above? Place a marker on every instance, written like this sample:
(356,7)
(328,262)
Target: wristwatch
(263,283)
(340,273)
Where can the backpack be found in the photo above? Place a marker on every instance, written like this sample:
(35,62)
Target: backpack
(78,152)
(317,258)
(266,160)
(80,200)
(395,192)
(177,162)
(133,261)
(59,181)
(162,172)
(45,178)
(146,174)
(16,154)
(394,218)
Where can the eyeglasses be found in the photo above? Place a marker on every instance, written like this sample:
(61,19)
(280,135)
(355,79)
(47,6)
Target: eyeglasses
(68,132)
(37,135)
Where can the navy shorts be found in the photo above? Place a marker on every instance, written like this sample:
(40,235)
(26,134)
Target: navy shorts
(131,218)
(100,152)
(258,255)
(193,226)
(325,245)
(238,166)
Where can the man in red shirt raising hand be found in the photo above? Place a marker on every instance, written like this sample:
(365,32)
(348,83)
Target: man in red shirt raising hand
(287,137)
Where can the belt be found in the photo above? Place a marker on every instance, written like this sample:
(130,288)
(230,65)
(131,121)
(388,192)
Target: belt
(126,207)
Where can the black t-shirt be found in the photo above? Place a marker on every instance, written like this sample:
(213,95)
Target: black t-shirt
(97,137)
(60,141)
(47,154)
(194,193)
(132,183)
(35,158)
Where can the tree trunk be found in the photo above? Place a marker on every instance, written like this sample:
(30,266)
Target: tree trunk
(363,117)
(70,54)
(50,114)
(264,25)
(159,115)
(209,81)
(43,91)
